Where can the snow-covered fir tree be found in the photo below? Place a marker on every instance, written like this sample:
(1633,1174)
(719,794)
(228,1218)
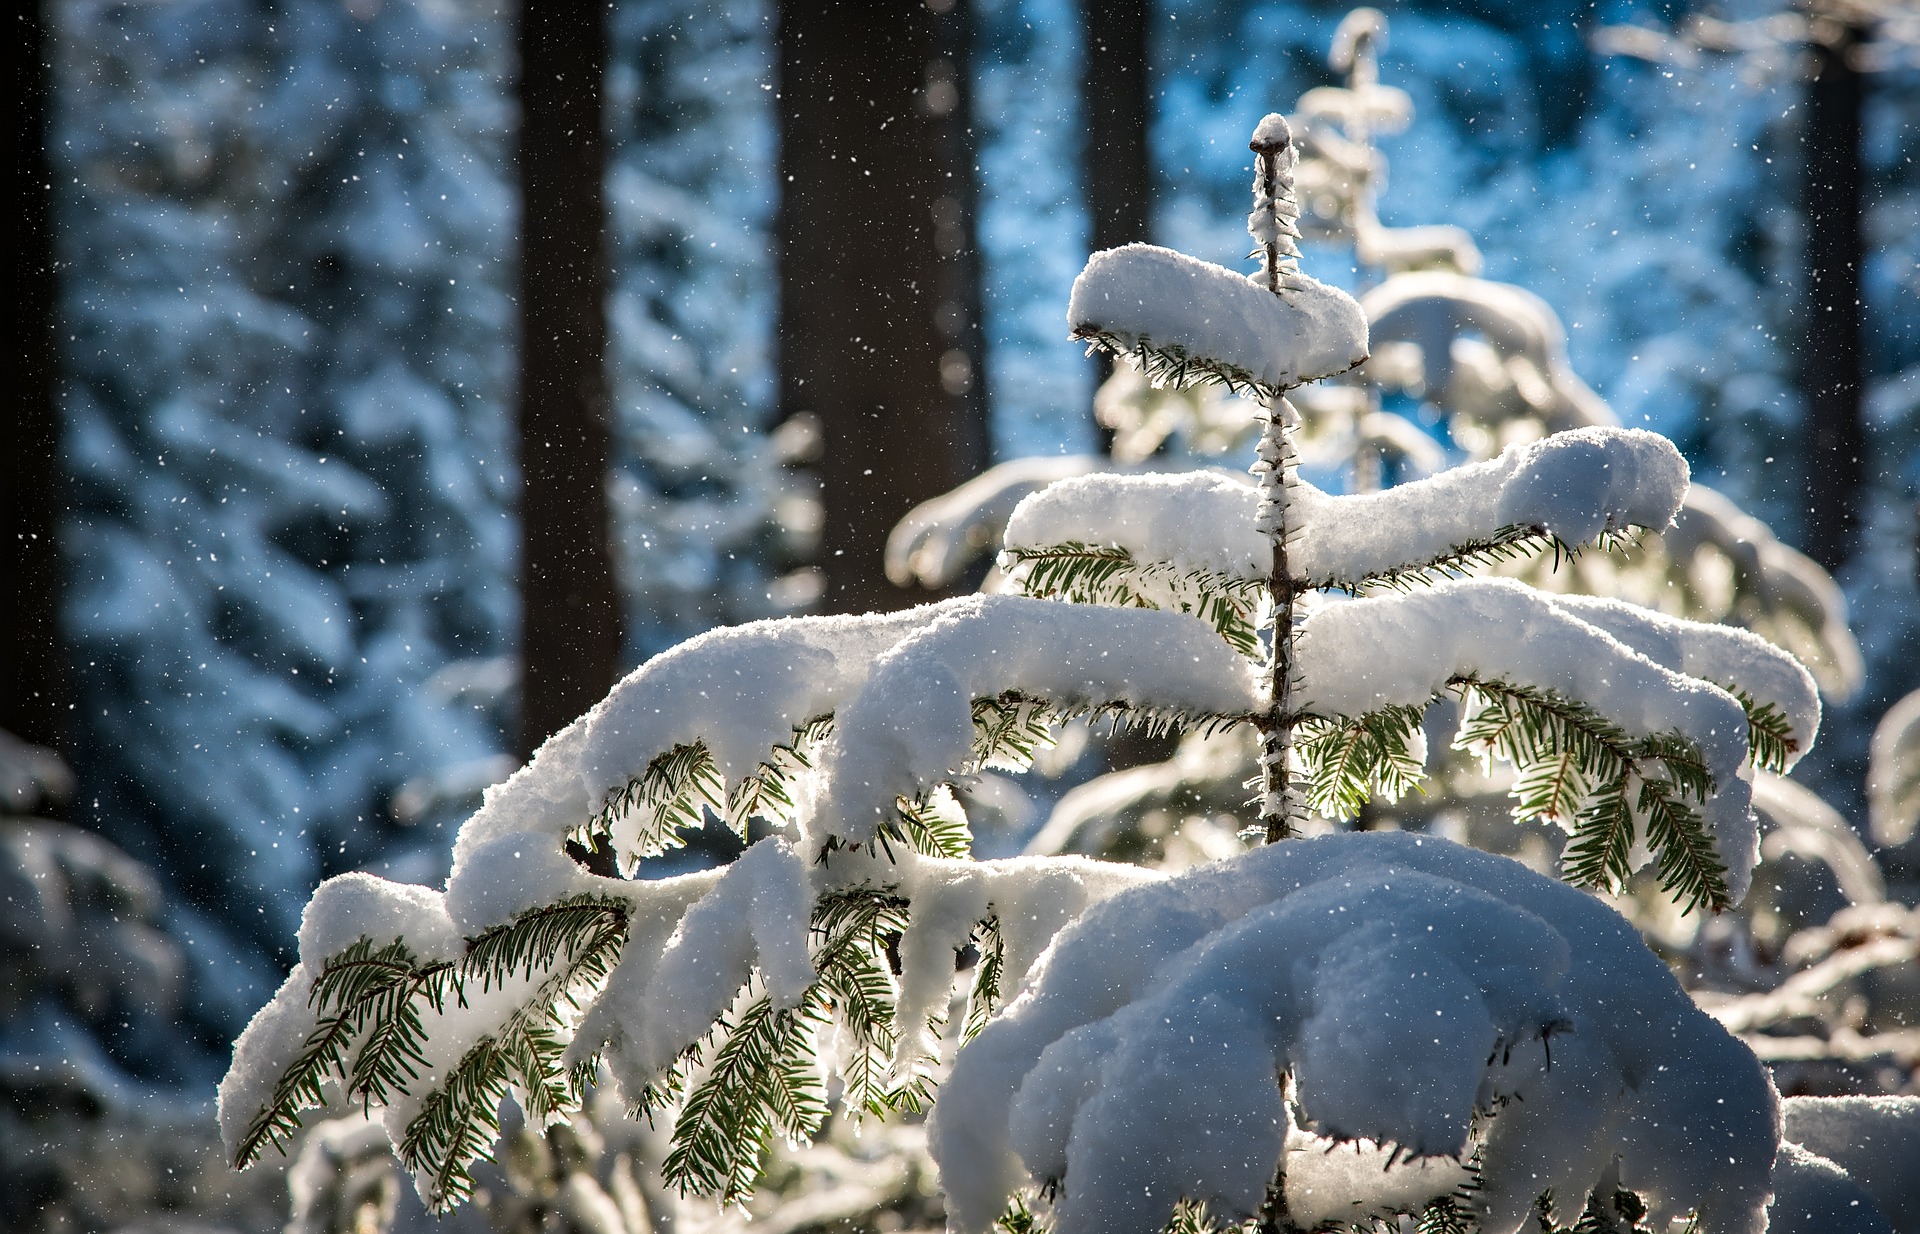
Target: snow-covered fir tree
(1319,1030)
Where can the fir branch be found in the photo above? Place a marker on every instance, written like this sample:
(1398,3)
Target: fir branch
(671,795)
(358,986)
(1010,729)
(1347,760)
(1770,739)
(1446,1215)
(1190,1217)
(1564,753)
(1514,542)
(1019,1219)
(860,928)
(1690,867)
(1551,788)
(1111,575)
(579,940)
(1172,365)
(1597,854)
(984,995)
(767,790)
(765,1073)
(761,1078)
(929,830)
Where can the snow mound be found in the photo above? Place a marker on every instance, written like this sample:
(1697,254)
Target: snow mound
(1404,981)
(1143,294)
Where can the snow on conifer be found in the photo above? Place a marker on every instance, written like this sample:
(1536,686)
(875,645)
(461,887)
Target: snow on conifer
(1417,983)
(1159,1045)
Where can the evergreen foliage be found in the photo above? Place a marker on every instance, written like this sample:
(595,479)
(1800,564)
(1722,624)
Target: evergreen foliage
(821,966)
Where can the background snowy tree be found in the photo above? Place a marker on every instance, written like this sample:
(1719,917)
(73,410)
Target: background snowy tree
(284,423)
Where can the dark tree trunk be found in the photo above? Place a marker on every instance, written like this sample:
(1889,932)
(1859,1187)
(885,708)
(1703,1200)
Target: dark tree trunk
(1114,172)
(33,690)
(1830,363)
(879,333)
(570,607)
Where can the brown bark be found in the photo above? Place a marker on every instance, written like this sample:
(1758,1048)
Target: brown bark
(1830,369)
(1115,175)
(33,686)
(879,333)
(570,607)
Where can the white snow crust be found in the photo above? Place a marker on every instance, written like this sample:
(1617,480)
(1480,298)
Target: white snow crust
(1574,485)
(1141,292)
(1385,970)
(912,723)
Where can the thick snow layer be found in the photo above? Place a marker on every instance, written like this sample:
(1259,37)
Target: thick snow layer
(1876,1140)
(1358,656)
(741,690)
(1725,655)
(911,724)
(1574,485)
(1142,293)
(1196,520)
(1404,980)
(349,907)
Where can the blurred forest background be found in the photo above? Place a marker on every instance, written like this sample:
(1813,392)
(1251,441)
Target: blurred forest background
(391,375)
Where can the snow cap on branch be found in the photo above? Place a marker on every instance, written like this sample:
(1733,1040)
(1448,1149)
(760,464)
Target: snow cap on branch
(1142,296)
(1419,981)
(1573,486)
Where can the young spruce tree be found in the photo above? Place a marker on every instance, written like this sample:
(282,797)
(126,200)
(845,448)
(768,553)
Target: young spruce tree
(1488,1048)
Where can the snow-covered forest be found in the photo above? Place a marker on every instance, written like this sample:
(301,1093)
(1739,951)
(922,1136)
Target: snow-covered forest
(1067,709)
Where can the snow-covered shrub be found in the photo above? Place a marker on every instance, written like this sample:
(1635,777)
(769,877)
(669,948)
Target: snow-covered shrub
(821,966)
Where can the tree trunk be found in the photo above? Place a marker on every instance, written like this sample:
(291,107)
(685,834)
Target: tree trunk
(879,334)
(1830,364)
(570,607)
(33,692)
(1115,176)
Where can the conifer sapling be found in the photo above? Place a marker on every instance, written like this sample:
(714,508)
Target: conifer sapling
(1482,1043)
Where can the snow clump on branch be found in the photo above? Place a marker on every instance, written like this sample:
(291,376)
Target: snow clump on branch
(1411,988)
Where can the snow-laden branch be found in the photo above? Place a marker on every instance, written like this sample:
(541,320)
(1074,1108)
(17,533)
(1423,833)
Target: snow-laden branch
(1174,311)
(912,725)
(1571,488)
(1362,656)
(739,692)
(1408,985)
(1734,659)
(430,1007)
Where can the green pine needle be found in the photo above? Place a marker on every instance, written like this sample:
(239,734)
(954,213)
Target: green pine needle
(362,985)
(1110,575)
(1172,365)
(1770,739)
(984,996)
